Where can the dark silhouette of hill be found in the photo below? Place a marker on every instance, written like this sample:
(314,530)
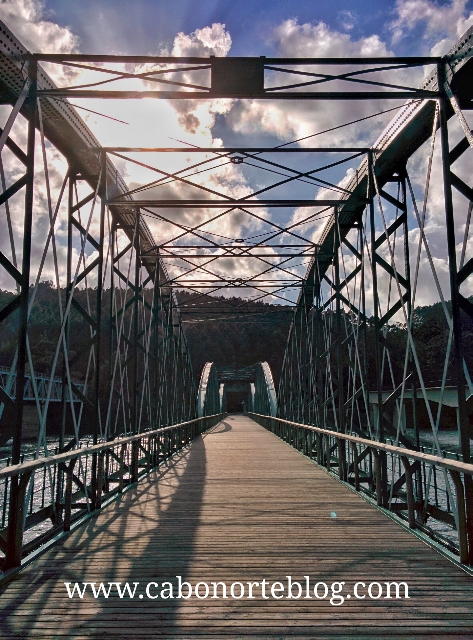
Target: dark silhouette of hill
(232,331)
(227,331)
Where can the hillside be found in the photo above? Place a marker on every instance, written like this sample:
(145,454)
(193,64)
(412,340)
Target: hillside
(227,331)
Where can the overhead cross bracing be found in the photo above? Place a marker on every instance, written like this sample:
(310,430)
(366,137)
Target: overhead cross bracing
(307,227)
(282,275)
(263,73)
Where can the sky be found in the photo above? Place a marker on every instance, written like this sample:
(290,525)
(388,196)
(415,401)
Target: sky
(411,27)
(240,28)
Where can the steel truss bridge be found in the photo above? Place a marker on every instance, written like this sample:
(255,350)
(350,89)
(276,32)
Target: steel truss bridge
(119,256)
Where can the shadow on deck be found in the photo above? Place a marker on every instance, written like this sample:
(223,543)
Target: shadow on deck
(239,505)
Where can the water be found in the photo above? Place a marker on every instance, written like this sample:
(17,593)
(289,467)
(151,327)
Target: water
(42,488)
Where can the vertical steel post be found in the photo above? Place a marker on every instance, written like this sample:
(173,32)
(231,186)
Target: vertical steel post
(98,316)
(456,312)
(111,316)
(70,204)
(377,329)
(412,369)
(154,355)
(338,324)
(17,497)
(362,245)
(136,246)
(98,332)
(319,349)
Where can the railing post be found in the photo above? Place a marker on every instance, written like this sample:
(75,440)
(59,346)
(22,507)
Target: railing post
(16,523)
(410,492)
(342,466)
(318,440)
(356,469)
(159,449)
(100,478)
(68,494)
(122,467)
(134,461)
(148,454)
(377,475)
(461,514)
(327,452)
(155,451)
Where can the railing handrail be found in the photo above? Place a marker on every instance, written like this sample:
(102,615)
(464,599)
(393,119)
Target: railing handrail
(447,463)
(42,463)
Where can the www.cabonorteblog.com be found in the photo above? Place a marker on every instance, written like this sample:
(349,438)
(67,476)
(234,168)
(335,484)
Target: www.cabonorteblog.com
(336,592)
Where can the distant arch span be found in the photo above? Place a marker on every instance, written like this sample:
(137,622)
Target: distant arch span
(255,380)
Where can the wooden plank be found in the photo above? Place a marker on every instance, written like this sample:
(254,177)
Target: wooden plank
(239,505)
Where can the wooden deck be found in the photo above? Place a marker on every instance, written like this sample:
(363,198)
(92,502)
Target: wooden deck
(239,505)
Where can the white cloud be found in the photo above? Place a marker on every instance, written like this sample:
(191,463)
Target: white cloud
(347,19)
(208,41)
(25,19)
(318,40)
(448,20)
(195,117)
(283,120)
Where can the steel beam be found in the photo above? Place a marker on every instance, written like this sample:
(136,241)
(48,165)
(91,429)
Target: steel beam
(17,487)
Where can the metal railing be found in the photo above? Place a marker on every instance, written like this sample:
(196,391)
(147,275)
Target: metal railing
(42,498)
(36,387)
(427,491)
